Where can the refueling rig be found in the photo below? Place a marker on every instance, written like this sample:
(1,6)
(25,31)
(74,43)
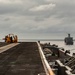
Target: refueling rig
(59,61)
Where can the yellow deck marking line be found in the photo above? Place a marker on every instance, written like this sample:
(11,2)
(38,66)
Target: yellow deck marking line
(4,48)
(47,68)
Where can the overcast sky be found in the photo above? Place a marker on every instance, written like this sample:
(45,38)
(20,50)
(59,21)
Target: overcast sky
(36,18)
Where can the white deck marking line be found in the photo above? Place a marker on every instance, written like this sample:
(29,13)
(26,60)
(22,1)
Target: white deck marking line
(4,48)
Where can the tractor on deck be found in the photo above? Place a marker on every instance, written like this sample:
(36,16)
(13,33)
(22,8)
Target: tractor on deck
(11,38)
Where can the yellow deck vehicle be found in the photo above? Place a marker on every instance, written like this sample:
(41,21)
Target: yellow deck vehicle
(11,38)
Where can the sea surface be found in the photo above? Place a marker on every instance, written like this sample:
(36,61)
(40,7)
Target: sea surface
(58,42)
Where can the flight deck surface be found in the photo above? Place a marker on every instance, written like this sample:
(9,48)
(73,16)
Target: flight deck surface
(23,59)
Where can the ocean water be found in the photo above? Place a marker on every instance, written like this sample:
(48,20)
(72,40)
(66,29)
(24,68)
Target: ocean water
(58,42)
(63,45)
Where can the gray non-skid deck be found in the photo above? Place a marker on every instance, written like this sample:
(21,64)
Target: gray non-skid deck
(3,44)
(23,59)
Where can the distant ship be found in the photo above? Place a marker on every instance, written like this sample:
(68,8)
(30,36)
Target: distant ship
(68,40)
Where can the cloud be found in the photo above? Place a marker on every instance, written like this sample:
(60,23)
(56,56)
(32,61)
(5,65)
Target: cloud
(37,16)
(43,7)
(10,1)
